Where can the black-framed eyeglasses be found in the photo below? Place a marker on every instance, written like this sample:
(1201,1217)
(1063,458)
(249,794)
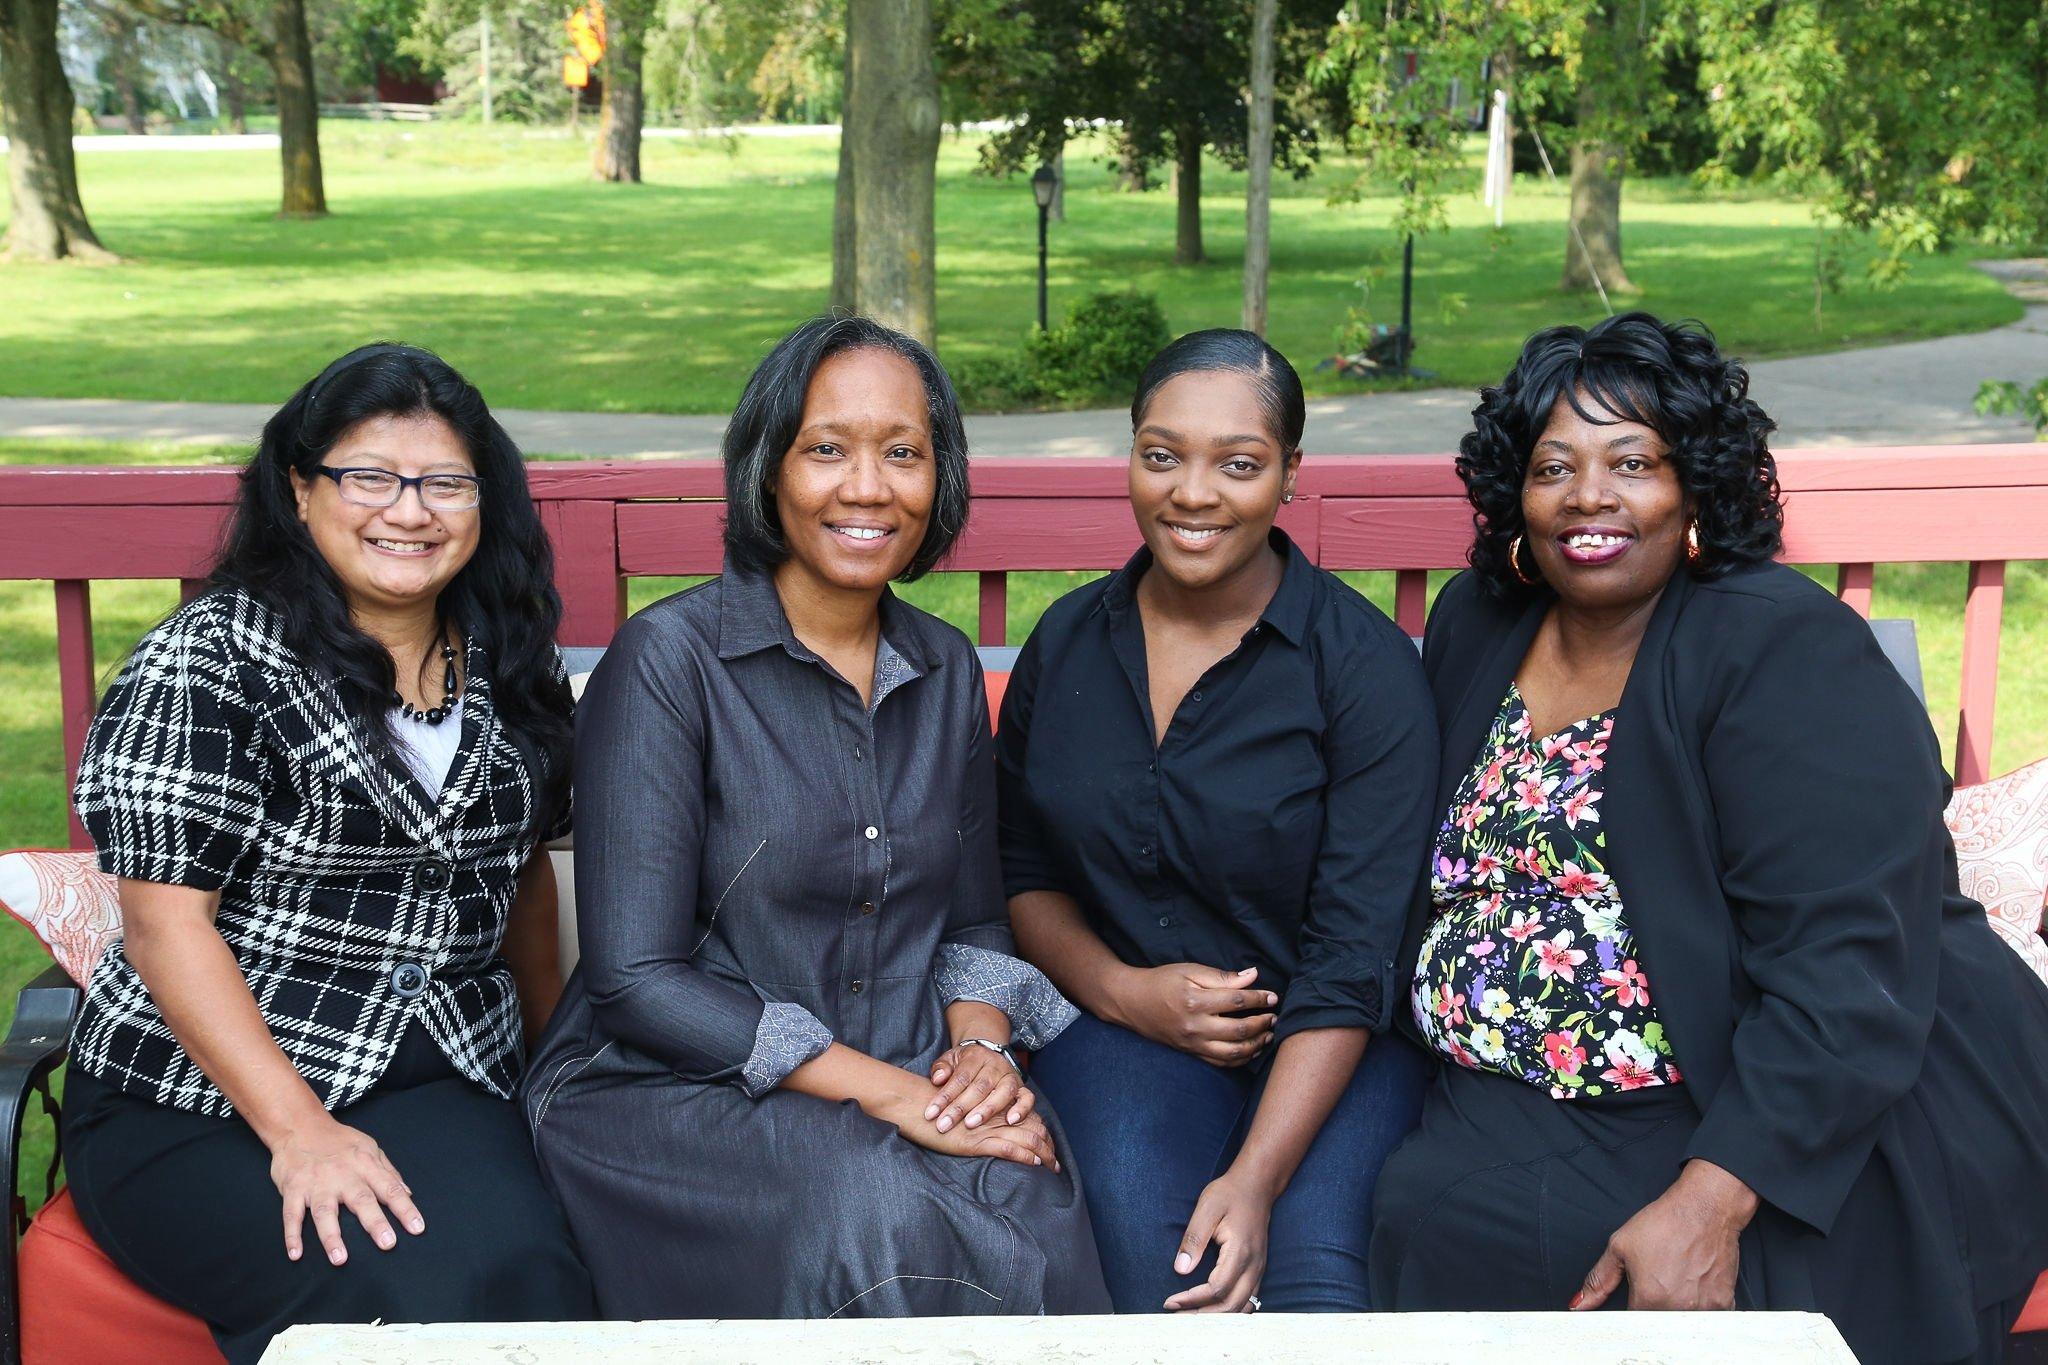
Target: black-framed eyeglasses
(382,488)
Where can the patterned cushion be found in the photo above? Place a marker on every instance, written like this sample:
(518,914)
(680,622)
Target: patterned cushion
(2001,833)
(70,904)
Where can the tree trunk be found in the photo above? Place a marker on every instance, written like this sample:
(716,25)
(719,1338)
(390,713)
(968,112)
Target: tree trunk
(894,122)
(124,65)
(1592,248)
(234,95)
(616,157)
(1131,175)
(298,113)
(845,295)
(1187,185)
(1593,241)
(1258,187)
(46,218)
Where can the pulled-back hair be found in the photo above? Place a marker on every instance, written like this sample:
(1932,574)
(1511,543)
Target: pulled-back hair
(771,412)
(1671,378)
(504,598)
(1237,352)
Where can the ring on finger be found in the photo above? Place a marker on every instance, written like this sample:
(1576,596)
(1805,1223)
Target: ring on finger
(1252,1305)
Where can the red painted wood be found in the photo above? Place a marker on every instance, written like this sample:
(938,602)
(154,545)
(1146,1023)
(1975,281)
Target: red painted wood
(670,538)
(995,608)
(1395,533)
(1906,525)
(1411,599)
(118,541)
(1853,583)
(585,540)
(74,684)
(1982,615)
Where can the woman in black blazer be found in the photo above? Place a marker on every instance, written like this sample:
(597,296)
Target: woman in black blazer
(1721,1031)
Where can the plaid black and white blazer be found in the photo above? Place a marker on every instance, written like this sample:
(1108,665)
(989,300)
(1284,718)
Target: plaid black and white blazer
(354,904)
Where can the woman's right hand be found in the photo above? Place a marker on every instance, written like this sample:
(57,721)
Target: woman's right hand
(331,1166)
(1198,1010)
(1028,1143)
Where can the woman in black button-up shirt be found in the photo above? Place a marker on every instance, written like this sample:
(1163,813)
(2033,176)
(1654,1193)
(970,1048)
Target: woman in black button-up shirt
(335,908)
(778,1085)
(1216,768)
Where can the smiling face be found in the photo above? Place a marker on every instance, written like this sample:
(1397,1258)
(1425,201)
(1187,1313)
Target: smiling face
(400,557)
(854,491)
(1605,511)
(1207,476)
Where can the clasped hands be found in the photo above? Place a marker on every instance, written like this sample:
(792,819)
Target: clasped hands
(978,1105)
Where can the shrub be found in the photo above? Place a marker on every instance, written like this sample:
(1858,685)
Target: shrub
(1101,348)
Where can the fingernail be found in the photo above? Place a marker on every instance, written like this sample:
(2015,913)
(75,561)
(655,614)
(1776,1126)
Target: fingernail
(418,1225)
(1038,1161)
(387,1240)
(930,1110)
(1015,1116)
(945,1123)
(974,1120)
(1573,1305)
(337,1257)
(291,1253)
(1183,1263)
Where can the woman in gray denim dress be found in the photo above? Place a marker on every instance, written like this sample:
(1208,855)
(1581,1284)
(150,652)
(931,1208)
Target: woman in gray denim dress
(779,1084)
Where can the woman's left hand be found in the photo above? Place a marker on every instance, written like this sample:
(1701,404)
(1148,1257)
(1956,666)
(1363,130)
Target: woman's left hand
(1682,1250)
(1233,1213)
(978,1085)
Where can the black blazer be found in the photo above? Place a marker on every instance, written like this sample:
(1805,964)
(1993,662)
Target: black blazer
(1864,1052)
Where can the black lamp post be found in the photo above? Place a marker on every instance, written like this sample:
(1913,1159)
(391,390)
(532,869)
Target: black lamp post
(1044,184)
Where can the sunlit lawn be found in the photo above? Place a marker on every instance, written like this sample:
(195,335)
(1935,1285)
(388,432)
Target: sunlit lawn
(555,292)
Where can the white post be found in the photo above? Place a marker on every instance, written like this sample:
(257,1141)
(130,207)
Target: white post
(487,66)
(1500,166)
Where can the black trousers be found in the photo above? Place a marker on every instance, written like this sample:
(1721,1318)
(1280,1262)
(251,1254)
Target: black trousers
(184,1205)
(1503,1198)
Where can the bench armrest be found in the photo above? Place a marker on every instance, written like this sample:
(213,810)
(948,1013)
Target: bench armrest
(35,1046)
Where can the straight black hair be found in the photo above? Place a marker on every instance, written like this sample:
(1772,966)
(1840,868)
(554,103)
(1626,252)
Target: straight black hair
(1238,352)
(771,412)
(504,598)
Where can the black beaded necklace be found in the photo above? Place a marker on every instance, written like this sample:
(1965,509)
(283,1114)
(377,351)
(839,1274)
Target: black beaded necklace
(450,685)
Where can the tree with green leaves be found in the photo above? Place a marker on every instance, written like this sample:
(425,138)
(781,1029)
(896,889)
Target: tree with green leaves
(1919,121)
(47,219)
(277,31)
(616,154)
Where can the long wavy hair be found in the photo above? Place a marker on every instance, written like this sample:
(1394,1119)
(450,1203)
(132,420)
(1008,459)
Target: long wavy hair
(1670,377)
(504,598)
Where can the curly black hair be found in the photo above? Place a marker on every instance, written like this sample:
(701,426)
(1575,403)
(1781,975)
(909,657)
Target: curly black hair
(1670,377)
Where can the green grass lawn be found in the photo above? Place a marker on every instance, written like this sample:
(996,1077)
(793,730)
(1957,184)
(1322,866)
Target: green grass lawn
(551,291)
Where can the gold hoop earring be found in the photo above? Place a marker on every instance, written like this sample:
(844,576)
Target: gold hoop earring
(1515,563)
(1693,553)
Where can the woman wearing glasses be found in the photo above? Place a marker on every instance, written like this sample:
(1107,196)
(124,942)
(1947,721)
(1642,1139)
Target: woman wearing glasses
(323,784)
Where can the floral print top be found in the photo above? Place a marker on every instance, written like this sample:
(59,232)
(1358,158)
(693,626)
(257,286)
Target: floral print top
(1529,968)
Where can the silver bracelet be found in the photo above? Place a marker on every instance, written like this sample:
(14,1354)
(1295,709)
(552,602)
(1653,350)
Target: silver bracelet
(994,1047)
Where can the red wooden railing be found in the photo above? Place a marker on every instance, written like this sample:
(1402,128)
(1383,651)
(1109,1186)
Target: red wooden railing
(1984,505)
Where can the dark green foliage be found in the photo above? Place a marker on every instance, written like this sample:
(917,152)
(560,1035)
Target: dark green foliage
(1095,355)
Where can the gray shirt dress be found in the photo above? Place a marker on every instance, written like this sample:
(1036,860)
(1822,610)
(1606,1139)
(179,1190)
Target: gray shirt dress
(763,865)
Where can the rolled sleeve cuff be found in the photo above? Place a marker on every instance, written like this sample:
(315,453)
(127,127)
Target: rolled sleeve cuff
(1356,998)
(786,1038)
(1037,1012)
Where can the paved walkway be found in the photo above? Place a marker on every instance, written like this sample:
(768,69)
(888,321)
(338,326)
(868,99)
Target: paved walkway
(1915,393)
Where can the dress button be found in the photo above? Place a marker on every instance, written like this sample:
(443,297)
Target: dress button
(1166,921)
(867,907)
(871,832)
(1144,850)
(1194,696)
(434,875)
(408,979)
(859,985)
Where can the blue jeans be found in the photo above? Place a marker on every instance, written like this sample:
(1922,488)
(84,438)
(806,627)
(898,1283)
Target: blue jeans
(1151,1126)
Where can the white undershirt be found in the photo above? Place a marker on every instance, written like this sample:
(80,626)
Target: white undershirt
(429,750)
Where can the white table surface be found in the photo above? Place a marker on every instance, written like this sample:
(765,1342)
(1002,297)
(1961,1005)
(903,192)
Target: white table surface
(1264,1339)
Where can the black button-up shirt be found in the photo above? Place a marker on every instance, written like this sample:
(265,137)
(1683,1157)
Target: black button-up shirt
(1284,821)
